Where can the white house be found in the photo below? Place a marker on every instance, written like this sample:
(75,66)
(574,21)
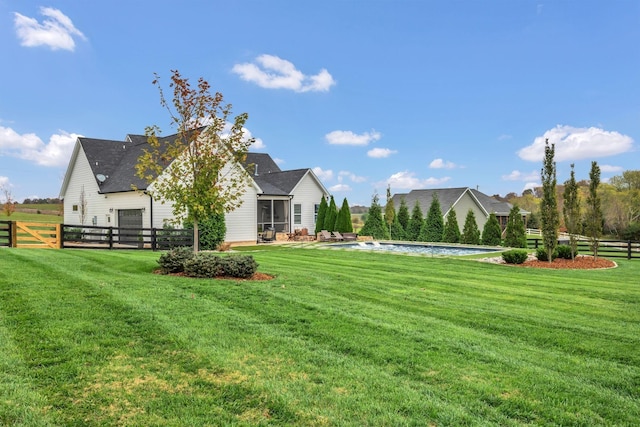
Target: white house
(102,174)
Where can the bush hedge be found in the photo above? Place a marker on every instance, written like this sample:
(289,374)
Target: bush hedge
(206,264)
(515,256)
(541,254)
(564,251)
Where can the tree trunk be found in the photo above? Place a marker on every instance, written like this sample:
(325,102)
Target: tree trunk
(196,236)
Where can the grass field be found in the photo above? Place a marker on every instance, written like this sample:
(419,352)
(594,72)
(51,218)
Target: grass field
(338,338)
(47,216)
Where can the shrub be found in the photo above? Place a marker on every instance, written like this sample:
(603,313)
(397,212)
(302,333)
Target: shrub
(73,234)
(515,256)
(564,251)
(541,254)
(211,231)
(208,265)
(174,260)
(205,265)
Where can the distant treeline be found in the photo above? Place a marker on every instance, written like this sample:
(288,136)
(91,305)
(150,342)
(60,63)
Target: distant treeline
(47,201)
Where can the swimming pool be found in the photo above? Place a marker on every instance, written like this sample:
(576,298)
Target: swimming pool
(415,248)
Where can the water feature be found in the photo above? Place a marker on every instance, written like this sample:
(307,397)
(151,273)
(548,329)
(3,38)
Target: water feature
(414,248)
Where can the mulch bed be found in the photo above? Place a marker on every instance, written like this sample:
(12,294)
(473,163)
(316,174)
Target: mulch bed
(256,276)
(582,262)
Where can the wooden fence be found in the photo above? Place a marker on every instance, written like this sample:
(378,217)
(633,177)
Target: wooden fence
(6,233)
(607,248)
(96,237)
(22,234)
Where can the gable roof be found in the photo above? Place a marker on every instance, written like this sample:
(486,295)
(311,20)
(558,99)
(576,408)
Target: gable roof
(117,160)
(448,197)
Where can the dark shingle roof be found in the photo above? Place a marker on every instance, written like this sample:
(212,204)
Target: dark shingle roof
(116,160)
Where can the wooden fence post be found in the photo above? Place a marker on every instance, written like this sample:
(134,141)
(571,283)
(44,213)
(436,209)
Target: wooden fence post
(59,236)
(13,234)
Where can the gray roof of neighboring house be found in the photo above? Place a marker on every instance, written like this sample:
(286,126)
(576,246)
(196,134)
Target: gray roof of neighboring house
(116,160)
(447,198)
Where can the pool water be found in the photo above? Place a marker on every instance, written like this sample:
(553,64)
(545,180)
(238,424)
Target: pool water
(417,248)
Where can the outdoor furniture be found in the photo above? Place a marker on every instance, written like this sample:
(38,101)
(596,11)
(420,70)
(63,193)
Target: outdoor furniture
(268,236)
(337,236)
(325,236)
(350,237)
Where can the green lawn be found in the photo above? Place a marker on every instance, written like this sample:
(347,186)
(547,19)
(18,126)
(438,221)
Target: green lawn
(338,338)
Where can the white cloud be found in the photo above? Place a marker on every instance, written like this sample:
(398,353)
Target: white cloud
(504,137)
(30,147)
(516,175)
(577,143)
(4,181)
(279,161)
(324,175)
(56,30)
(531,185)
(340,188)
(441,164)
(272,72)
(353,177)
(408,180)
(611,169)
(346,137)
(380,153)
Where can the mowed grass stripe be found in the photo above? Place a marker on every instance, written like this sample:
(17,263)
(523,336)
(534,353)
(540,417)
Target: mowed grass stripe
(338,346)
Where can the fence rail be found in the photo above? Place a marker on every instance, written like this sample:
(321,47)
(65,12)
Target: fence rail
(607,248)
(96,237)
(6,234)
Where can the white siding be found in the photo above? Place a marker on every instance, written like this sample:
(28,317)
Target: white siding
(242,223)
(307,193)
(462,207)
(81,175)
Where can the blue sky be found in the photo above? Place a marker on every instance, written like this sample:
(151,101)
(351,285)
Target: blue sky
(411,94)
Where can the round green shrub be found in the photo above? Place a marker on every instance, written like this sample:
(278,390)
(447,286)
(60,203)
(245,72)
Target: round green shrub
(515,256)
(174,260)
(541,254)
(564,251)
(208,265)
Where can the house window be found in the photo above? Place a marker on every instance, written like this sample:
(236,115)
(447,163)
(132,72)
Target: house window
(316,208)
(74,208)
(297,214)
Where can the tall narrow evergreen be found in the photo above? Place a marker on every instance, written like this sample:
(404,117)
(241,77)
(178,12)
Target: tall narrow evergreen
(330,217)
(594,216)
(343,222)
(549,204)
(415,223)
(403,214)
(322,212)
(515,233)
(451,228)
(470,231)
(571,212)
(389,209)
(375,226)
(396,232)
(492,233)
(433,228)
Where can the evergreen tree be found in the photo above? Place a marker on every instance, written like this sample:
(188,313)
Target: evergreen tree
(389,209)
(396,231)
(322,212)
(451,228)
(434,223)
(375,225)
(412,231)
(515,233)
(403,214)
(343,222)
(594,216)
(331,216)
(571,212)
(492,233)
(549,203)
(470,232)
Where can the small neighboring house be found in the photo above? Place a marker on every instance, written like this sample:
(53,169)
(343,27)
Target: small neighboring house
(104,171)
(461,200)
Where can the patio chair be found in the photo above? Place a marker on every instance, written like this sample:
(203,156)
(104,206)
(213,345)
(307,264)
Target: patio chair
(337,236)
(325,236)
(268,236)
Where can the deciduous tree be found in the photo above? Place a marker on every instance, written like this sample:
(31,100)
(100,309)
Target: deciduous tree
(389,209)
(200,170)
(593,214)
(9,206)
(549,215)
(571,212)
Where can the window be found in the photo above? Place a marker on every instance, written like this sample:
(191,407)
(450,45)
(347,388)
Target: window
(74,208)
(297,214)
(316,208)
